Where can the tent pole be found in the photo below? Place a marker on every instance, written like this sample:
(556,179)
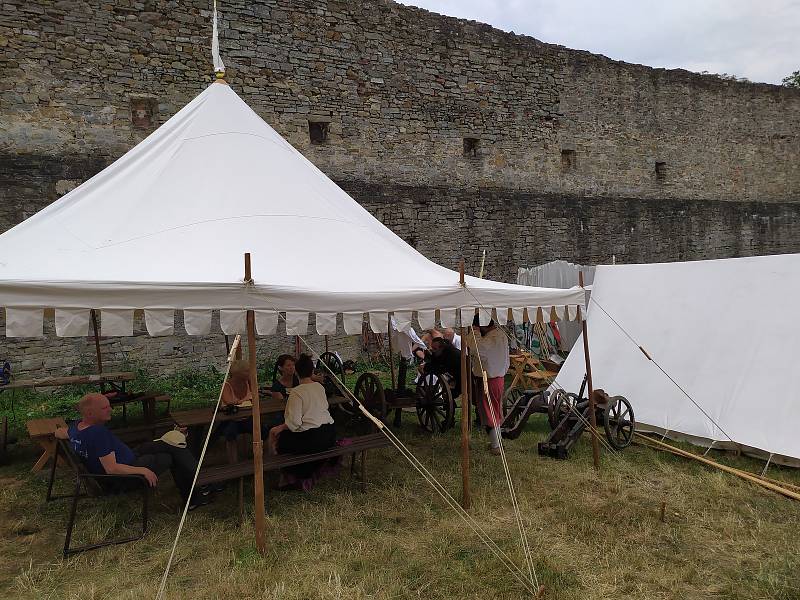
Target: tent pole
(326,344)
(258,445)
(465,408)
(391,354)
(592,415)
(97,342)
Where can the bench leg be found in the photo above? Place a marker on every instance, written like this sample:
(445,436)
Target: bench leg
(352,465)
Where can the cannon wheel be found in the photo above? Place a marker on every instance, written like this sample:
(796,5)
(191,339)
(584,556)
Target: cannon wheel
(618,422)
(510,398)
(435,404)
(560,405)
(369,391)
(334,363)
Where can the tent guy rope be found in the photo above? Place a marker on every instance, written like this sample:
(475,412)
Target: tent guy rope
(526,550)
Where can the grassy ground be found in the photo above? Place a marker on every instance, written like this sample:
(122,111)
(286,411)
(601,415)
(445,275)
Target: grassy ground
(593,535)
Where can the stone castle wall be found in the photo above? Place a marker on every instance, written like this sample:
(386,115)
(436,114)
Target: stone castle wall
(456,135)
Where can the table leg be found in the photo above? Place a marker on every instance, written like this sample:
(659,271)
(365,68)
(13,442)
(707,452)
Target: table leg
(49,449)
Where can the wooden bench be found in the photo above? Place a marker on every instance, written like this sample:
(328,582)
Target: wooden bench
(94,486)
(239,470)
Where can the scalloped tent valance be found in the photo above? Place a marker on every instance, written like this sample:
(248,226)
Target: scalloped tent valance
(165,227)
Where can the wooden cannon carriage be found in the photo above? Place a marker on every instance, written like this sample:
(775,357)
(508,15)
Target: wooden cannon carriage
(568,416)
(571,414)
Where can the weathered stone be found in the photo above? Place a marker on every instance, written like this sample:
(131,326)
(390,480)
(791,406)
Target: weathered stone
(402,88)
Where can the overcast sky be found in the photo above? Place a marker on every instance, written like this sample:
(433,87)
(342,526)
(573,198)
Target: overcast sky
(756,39)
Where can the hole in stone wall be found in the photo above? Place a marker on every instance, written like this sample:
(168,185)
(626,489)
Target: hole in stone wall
(661,170)
(569,160)
(144,111)
(318,131)
(471,146)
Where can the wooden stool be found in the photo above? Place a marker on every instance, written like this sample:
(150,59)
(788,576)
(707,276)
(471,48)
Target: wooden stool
(41,431)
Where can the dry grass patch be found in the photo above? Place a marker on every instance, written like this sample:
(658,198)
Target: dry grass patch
(593,535)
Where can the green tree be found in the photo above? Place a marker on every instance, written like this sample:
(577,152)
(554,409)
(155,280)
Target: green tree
(792,80)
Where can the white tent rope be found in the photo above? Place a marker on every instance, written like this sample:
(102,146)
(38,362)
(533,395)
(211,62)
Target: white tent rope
(231,354)
(526,551)
(430,478)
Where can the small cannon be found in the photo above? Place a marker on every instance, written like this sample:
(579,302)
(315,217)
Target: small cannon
(569,417)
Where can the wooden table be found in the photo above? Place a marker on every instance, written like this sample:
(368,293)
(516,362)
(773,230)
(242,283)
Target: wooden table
(202,416)
(69,380)
(41,431)
(525,367)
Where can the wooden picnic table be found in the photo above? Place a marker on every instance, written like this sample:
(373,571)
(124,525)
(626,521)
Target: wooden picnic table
(41,431)
(69,380)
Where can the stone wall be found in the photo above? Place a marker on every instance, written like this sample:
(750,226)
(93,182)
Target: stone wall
(456,135)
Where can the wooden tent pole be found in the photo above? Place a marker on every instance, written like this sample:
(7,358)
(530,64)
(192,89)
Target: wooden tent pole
(97,342)
(465,407)
(592,415)
(258,445)
(391,354)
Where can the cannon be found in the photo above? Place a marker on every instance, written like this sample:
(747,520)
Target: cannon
(569,416)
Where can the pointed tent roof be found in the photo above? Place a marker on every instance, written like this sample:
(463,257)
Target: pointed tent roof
(166,226)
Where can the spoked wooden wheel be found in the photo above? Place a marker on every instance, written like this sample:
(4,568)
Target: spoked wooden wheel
(510,398)
(618,422)
(369,391)
(561,403)
(435,404)
(334,363)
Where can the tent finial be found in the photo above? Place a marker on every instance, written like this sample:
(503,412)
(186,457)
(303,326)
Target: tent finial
(219,66)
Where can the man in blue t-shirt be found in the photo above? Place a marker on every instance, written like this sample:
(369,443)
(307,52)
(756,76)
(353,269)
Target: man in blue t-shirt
(104,453)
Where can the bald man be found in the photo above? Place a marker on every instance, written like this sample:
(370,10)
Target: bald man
(105,454)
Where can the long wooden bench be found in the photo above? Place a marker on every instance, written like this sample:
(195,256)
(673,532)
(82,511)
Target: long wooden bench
(357,445)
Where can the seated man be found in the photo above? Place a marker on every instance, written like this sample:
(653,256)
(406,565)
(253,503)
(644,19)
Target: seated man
(444,359)
(103,453)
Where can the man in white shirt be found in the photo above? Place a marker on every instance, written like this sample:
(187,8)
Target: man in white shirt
(489,349)
(451,336)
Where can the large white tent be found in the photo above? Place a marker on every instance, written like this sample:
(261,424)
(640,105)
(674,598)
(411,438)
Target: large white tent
(725,331)
(165,227)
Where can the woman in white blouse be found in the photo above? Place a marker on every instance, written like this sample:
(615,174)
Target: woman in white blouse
(308,425)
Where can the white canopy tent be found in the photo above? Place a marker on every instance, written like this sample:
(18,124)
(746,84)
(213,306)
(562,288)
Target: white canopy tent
(724,330)
(165,227)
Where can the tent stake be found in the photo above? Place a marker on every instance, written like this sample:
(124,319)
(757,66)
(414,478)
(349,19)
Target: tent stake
(258,445)
(465,407)
(592,415)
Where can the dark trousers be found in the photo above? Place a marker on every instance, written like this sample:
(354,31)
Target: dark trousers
(306,442)
(160,456)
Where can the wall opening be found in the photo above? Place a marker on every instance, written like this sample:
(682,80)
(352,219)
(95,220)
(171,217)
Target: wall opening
(144,112)
(471,146)
(569,160)
(661,171)
(318,131)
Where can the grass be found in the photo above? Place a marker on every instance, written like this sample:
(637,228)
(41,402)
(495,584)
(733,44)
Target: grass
(592,534)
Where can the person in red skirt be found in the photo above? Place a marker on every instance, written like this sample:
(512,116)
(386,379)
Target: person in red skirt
(489,349)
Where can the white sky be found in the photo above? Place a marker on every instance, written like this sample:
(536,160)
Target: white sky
(757,39)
